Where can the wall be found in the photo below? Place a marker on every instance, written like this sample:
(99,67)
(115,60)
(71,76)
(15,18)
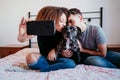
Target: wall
(13,10)
(112,21)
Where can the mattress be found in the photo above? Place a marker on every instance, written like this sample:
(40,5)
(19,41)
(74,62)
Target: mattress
(14,67)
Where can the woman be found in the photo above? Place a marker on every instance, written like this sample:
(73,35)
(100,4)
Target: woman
(47,61)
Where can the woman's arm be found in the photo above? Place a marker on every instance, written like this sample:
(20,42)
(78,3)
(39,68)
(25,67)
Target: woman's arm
(22,34)
(52,56)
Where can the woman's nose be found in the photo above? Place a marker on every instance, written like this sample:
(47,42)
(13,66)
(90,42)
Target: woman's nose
(64,24)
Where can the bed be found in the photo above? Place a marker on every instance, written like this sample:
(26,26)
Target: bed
(14,67)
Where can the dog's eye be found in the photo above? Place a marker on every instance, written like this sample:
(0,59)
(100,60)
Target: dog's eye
(65,36)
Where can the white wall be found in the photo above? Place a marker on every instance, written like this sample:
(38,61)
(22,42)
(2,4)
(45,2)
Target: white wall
(112,21)
(11,12)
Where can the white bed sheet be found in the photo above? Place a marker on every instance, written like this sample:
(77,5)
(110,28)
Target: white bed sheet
(8,71)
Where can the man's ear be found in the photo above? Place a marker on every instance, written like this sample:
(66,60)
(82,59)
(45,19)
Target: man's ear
(81,18)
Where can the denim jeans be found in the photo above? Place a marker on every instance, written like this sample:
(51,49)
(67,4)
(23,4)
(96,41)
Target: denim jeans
(109,61)
(44,65)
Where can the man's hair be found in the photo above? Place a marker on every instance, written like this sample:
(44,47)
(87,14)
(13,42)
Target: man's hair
(74,11)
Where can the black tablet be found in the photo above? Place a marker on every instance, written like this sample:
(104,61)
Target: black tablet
(46,27)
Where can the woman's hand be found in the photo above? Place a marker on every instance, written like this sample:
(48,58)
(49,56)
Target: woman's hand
(22,35)
(67,53)
(22,27)
(51,56)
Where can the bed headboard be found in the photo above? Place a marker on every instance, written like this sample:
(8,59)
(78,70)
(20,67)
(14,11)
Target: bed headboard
(94,16)
(91,17)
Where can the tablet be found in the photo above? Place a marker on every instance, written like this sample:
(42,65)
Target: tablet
(44,28)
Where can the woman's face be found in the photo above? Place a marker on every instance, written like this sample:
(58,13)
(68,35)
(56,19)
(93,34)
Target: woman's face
(61,22)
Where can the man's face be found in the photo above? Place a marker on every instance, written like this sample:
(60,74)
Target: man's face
(74,20)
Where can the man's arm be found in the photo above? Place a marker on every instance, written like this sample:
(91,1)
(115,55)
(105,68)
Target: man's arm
(101,50)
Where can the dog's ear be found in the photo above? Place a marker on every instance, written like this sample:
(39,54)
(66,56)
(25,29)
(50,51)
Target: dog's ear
(64,30)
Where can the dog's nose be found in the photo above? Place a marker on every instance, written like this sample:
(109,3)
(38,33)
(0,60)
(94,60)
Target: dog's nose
(68,34)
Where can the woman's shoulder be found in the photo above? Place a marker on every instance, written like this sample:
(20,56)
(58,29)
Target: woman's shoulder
(57,35)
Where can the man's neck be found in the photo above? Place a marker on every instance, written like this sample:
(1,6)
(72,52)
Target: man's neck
(83,27)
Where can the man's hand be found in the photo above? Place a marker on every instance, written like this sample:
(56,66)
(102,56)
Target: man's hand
(80,46)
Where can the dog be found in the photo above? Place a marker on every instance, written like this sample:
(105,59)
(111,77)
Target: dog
(69,42)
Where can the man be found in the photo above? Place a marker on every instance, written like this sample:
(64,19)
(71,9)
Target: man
(92,43)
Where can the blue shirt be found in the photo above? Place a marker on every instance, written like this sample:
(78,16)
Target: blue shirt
(91,37)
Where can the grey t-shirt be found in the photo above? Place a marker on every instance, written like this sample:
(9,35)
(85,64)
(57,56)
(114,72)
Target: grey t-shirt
(93,36)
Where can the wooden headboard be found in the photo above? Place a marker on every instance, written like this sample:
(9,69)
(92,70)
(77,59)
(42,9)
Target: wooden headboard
(94,17)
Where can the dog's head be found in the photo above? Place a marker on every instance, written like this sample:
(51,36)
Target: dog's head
(69,32)
(70,37)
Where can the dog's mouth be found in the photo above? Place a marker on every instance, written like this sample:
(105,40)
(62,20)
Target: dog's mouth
(67,47)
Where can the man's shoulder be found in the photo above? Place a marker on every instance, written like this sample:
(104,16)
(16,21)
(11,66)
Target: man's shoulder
(94,27)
